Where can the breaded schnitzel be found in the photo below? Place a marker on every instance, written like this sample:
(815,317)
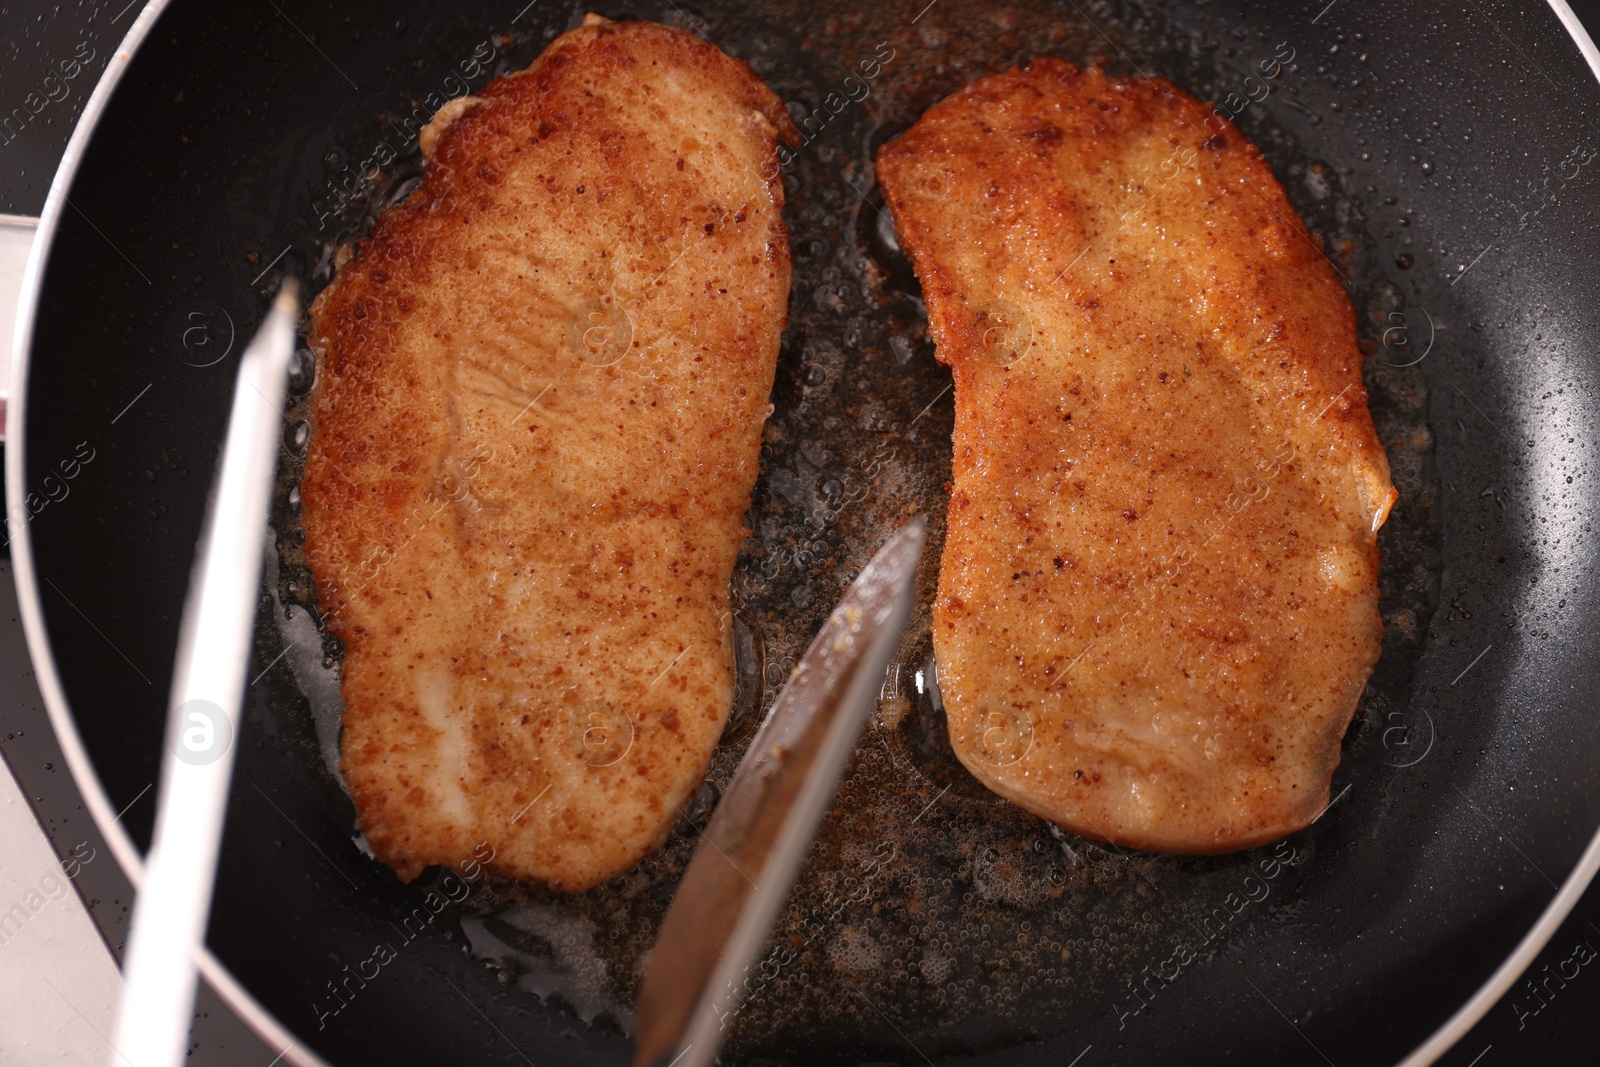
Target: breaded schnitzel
(1158,600)
(541,391)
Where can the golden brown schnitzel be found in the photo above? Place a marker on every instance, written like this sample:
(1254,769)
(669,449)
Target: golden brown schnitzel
(542,385)
(1158,601)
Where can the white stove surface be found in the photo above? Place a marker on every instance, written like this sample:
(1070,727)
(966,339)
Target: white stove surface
(58,983)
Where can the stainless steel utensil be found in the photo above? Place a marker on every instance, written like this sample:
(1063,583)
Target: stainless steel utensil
(169,918)
(748,857)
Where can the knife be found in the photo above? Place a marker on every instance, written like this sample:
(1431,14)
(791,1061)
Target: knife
(748,857)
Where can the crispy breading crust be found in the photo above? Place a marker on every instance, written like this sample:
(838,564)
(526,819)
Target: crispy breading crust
(1158,600)
(541,390)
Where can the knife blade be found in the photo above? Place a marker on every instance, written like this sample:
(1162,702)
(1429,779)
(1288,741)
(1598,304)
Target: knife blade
(745,865)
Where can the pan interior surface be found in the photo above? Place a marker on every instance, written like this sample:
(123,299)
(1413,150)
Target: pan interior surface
(932,919)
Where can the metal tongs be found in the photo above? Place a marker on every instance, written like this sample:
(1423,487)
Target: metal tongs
(169,917)
(749,855)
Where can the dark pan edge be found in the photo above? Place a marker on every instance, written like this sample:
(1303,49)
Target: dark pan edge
(1577,882)
(220,978)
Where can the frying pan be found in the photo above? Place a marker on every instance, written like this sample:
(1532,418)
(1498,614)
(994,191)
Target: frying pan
(1446,157)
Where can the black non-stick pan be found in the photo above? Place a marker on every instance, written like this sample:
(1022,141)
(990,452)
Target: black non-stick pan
(1448,156)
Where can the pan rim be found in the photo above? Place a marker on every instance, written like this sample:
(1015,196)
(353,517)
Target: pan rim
(263,1022)
(1577,881)
(222,980)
